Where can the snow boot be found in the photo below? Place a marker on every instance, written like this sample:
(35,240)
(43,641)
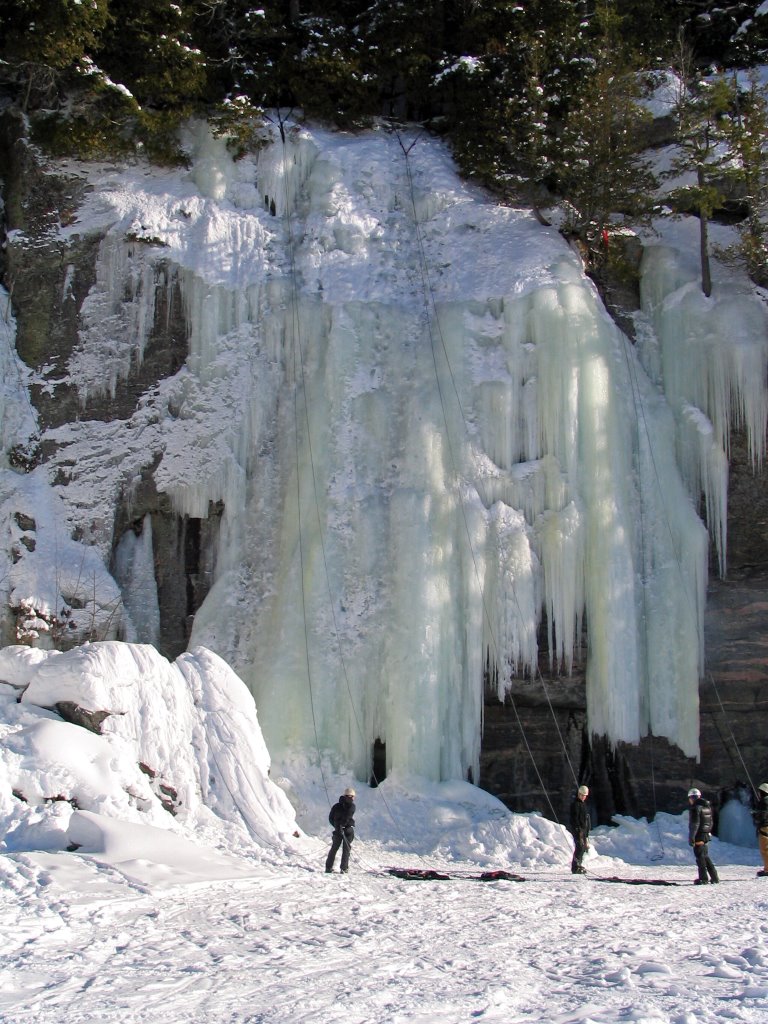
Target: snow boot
(701,881)
(762,874)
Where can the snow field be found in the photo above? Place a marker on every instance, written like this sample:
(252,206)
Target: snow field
(115,910)
(302,946)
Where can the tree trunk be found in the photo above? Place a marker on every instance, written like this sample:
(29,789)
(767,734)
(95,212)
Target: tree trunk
(706,274)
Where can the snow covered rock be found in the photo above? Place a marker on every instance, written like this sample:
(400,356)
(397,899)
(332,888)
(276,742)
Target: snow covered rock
(181,737)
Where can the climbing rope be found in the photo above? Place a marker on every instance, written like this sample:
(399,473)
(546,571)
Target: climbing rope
(733,738)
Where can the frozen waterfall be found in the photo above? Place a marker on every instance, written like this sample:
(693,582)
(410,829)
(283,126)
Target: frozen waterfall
(427,436)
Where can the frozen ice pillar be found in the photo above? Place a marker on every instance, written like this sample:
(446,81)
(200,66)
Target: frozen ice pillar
(644,548)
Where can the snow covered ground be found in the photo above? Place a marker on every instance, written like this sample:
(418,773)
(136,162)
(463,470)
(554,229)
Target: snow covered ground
(85,940)
(229,918)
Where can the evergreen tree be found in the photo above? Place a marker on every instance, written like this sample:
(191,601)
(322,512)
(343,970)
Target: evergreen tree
(554,66)
(703,150)
(253,52)
(597,158)
(749,144)
(150,48)
(403,45)
(41,41)
(509,89)
(714,29)
(332,78)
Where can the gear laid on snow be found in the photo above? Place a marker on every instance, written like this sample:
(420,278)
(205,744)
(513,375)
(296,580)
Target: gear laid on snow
(636,881)
(433,875)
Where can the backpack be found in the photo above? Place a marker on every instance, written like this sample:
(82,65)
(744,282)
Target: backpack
(337,816)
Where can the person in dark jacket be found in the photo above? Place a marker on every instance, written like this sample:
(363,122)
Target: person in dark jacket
(700,821)
(579,829)
(760,816)
(342,817)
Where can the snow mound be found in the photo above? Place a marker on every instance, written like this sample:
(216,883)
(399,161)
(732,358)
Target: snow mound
(174,747)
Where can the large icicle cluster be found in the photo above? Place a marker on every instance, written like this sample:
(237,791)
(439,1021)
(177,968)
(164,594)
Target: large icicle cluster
(711,355)
(425,433)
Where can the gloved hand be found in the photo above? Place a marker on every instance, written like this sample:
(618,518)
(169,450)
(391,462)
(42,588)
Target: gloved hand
(690,842)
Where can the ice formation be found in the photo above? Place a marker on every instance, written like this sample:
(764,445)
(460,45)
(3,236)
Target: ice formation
(134,570)
(735,824)
(426,434)
(711,358)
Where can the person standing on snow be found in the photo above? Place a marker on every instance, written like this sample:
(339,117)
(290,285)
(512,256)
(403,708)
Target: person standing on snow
(760,817)
(700,821)
(579,829)
(342,817)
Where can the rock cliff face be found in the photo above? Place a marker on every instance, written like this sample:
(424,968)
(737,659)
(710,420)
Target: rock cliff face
(48,280)
(535,742)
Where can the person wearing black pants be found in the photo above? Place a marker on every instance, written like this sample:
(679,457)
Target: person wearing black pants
(700,821)
(579,829)
(760,815)
(342,817)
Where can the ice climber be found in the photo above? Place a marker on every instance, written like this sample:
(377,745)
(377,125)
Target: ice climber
(760,816)
(342,817)
(700,822)
(579,829)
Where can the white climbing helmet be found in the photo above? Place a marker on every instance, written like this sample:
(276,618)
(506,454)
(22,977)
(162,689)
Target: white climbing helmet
(583,790)
(763,787)
(349,791)
(694,793)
